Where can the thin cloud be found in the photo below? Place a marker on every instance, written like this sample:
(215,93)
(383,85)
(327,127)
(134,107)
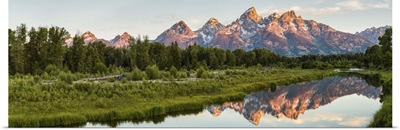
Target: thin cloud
(311,10)
(358,5)
(340,7)
(354,122)
(319,1)
(315,118)
(380,5)
(352,5)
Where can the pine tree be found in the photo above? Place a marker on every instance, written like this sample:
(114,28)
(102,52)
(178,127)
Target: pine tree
(213,63)
(194,60)
(176,55)
(78,57)
(54,49)
(386,43)
(239,55)
(35,60)
(230,58)
(132,53)
(221,55)
(17,41)
(158,55)
(142,56)
(92,58)
(250,58)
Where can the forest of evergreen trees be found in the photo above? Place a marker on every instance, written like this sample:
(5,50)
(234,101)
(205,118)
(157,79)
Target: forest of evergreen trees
(34,51)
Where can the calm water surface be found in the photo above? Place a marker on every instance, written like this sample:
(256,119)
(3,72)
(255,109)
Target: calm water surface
(330,102)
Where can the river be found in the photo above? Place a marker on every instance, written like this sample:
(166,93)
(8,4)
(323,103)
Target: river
(341,101)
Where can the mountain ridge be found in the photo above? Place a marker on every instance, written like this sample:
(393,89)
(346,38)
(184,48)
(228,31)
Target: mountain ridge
(286,34)
(118,41)
(373,33)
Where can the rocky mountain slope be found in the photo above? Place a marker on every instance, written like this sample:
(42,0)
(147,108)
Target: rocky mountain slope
(286,34)
(373,33)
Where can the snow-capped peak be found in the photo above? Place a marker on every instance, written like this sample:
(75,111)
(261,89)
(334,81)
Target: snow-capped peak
(182,28)
(274,15)
(209,29)
(213,22)
(180,24)
(249,22)
(251,13)
(289,15)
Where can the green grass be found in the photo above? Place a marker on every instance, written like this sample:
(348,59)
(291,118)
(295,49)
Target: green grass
(39,105)
(383,117)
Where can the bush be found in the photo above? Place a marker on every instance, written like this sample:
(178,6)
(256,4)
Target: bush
(111,79)
(204,75)
(200,72)
(259,66)
(166,75)
(136,74)
(174,72)
(36,79)
(100,104)
(79,75)
(152,72)
(309,65)
(52,70)
(67,77)
(116,70)
(124,80)
(324,66)
(46,76)
(182,75)
(100,68)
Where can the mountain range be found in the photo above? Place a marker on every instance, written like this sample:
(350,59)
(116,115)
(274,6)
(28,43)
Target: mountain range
(119,41)
(373,33)
(286,34)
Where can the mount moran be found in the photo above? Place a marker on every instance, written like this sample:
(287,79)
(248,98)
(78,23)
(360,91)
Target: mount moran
(286,34)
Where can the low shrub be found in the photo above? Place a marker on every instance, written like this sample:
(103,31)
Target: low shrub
(174,72)
(136,74)
(111,79)
(152,72)
(200,72)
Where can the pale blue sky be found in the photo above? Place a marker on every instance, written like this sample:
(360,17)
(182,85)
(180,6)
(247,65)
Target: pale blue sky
(108,18)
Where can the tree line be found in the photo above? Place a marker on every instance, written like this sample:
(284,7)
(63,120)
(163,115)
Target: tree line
(378,56)
(34,51)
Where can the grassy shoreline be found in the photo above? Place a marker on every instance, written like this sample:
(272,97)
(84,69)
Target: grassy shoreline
(61,112)
(383,117)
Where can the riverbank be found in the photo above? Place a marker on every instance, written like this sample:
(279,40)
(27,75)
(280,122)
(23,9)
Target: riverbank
(56,105)
(383,117)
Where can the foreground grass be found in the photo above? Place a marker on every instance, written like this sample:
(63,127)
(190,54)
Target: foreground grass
(383,117)
(58,104)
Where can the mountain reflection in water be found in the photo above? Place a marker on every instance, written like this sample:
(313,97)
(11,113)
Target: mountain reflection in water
(293,100)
